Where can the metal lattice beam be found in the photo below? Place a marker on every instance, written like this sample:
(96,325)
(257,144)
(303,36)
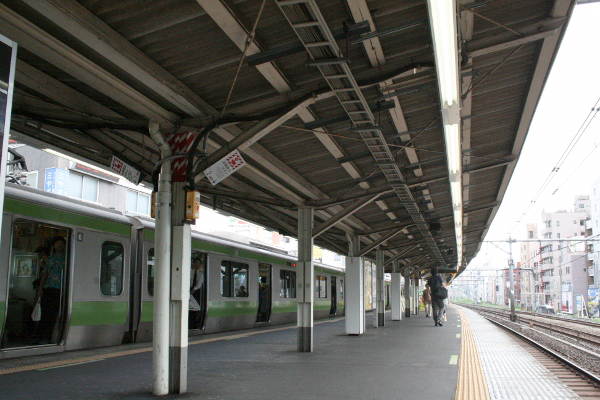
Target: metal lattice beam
(312,30)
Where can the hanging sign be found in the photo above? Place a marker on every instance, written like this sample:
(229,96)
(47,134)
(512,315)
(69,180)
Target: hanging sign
(125,170)
(224,167)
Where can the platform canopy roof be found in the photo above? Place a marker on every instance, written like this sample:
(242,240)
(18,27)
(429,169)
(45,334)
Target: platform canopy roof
(92,73)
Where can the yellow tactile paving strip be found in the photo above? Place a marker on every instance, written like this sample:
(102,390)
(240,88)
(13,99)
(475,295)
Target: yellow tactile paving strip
(471,383)
(98,357)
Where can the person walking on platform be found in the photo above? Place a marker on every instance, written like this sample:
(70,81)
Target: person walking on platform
(427,300)
(438,294)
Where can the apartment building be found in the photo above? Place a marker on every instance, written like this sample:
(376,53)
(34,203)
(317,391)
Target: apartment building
(563,264)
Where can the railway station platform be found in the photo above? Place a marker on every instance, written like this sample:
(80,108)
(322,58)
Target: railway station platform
(409,359)
(467,358)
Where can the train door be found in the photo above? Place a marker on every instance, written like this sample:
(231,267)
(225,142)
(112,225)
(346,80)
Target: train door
(198,292)
(39,257)
(333,309)
(264,293)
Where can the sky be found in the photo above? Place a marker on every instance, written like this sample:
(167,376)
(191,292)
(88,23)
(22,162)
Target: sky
(571,91)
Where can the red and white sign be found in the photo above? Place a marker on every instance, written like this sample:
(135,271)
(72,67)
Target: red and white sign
(180,143)
(125,170)
(224,167)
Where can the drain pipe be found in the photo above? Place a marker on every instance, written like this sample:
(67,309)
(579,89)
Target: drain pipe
(162,269)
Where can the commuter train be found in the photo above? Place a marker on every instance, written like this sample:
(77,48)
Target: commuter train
(107,283)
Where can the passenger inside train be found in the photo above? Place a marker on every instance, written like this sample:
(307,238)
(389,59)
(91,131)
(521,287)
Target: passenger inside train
(38,270)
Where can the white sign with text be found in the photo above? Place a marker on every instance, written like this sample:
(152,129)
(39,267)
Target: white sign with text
(125,170)
(224,167)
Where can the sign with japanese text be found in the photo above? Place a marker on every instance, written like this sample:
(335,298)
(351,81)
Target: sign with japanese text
(224,167)
(57,181)
(125,170)
(93,172)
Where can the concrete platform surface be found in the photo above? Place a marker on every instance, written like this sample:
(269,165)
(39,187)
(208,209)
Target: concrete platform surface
(408,359)
(511,373)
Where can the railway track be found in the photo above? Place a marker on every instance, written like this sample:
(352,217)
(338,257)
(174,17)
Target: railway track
(583,382)
(589,336)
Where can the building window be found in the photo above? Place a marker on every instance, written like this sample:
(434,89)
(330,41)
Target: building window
(558,235)
(557,223)
(320,286)
(234,279)
(111,269)
(287,284)
(574,221)
(137,203)
(581,205)
(83,187)
(568,270)
(582,222)
(530,234)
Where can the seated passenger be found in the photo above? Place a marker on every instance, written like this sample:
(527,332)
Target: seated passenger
(242,292)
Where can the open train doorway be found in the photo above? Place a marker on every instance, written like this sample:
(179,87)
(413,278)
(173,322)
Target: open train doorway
(264,293)
(38,271)
(197,313)
(333,309)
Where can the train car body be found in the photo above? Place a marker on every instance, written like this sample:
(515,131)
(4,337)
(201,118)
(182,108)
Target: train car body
(106,280)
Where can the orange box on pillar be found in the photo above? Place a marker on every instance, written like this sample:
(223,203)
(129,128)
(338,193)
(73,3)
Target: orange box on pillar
(192,205)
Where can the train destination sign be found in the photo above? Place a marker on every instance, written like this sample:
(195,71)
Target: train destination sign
(224,167)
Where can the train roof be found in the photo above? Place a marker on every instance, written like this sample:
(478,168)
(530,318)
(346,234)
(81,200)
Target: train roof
(40,197)
(146,223)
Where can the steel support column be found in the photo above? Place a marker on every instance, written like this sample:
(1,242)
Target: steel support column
(396,293)
(162,267)
(407,291)
(180,292)
(355,289)
(380,289)
(305,277)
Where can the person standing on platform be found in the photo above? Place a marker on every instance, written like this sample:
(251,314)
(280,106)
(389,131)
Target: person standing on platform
(196,288)
(427,300)
(436,284)
(50,288)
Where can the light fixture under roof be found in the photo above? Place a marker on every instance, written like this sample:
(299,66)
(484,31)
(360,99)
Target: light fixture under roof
(442,18)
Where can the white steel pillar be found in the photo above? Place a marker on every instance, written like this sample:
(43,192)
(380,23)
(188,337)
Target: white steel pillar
(355,289)
(416,295)
(396,289)
(162,268)
(180,292)
(379,257)
(305,279)
(407,292)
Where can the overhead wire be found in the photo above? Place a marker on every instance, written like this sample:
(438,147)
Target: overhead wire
(582,129)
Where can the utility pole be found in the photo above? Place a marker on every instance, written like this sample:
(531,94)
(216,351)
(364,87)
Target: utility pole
(560,247)
(513,316)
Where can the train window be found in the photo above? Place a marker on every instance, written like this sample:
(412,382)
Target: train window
(111,269)
(321,286)
(151,272)
(287,284)
(234,279)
